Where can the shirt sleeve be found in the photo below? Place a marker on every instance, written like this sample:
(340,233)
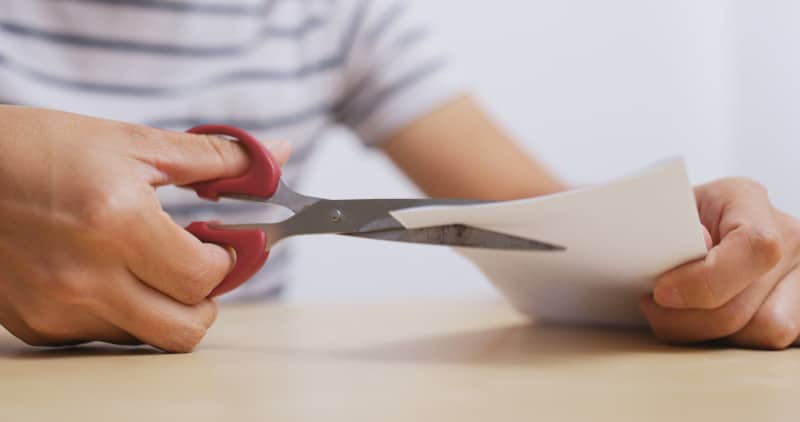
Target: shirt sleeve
(396,70)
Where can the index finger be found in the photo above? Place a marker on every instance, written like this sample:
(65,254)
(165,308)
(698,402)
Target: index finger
(749,248)
(183,158)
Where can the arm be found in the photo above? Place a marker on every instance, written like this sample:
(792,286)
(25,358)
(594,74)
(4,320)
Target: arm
(470,157)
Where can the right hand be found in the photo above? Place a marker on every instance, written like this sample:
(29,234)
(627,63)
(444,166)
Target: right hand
(86,252)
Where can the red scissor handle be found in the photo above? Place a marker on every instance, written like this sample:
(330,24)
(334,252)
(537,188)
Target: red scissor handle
(251,252)
(260,180)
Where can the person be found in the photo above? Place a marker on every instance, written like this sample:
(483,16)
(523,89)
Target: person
(90,251)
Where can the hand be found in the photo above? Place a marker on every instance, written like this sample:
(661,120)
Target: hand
(86,252)
(747,289)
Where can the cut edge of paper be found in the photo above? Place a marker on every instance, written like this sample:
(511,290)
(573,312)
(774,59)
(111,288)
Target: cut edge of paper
(406,215)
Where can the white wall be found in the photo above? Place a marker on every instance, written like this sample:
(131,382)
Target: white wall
(767,120)
(597,89)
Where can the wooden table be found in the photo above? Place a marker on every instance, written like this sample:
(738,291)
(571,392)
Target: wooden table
(459,361)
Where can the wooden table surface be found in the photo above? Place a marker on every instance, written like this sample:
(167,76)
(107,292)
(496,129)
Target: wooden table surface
(460,361)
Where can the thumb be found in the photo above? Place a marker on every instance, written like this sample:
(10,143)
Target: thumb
(185,158)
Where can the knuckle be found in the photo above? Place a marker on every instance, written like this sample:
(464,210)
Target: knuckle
(197,285)
(751,184)
(70,289)
(219,149)
(186,338)
(193,295)
(68,284)
(744,184)
(765,246)
(212,315)
(112,207)
(774,330)
(59,287)
(207,311)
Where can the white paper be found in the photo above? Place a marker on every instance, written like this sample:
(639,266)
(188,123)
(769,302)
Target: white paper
(618,236)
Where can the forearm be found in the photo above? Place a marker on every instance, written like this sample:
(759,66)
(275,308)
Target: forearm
(456,151)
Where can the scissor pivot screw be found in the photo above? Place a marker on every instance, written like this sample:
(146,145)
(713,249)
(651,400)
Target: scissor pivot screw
(336,215)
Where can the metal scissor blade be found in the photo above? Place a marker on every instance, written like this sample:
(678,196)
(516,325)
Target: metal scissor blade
(355,215)
(368,217)
(461,236)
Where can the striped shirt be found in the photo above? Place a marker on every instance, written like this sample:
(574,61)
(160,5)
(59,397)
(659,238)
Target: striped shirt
(282,69)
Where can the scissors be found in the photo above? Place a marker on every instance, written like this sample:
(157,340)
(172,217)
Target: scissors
(366,218)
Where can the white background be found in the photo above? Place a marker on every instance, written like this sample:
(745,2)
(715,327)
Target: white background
(596,89)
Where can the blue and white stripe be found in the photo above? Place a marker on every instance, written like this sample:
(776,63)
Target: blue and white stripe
(280,68)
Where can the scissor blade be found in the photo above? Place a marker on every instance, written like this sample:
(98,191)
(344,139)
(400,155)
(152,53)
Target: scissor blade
(365,216)
(356,215)
(461,236)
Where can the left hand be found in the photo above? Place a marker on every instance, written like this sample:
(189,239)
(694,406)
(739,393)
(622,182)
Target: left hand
(747,289)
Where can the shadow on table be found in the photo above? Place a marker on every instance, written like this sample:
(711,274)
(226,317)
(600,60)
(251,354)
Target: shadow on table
(10,350)
(522,344)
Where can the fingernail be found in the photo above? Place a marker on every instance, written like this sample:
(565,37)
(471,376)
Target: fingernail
(668,297)
(218,250)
